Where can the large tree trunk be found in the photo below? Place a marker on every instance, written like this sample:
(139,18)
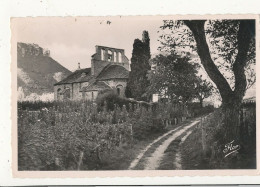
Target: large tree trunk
(231,121)
(231,99)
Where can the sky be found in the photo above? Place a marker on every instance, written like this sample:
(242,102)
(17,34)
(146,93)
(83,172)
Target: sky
(72,40)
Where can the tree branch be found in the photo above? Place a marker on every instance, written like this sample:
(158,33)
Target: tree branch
(197,28)
(245,34)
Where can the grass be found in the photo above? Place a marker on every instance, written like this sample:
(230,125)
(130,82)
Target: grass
(123,156)
(169,157)
(191,152)
(170,154)
(53,135)
(194,157)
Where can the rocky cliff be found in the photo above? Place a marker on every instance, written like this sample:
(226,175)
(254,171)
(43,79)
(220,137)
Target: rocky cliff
(36,70)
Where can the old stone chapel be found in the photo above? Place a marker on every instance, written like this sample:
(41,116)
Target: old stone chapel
(109,70)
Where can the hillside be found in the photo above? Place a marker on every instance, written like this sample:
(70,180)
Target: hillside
(36,70)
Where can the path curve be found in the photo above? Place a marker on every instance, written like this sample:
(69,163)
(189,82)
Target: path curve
(154,160)
(140,156)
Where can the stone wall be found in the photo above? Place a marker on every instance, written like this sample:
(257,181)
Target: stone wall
(60,89)
(75,94)
(121,84)
(76,91)
(90,96)
(75,88)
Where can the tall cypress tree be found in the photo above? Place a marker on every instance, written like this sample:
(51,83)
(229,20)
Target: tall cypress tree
(138,81)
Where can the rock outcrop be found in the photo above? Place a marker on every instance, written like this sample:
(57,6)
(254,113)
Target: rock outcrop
(36,70)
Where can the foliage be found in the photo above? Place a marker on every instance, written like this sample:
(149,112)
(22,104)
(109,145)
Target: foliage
(224,39)
(215,143)
(203,149)
(138,82)
(110,99)
(217,41)
(34,105)
(197,110)
(54,136)
(174,76)
(61,134)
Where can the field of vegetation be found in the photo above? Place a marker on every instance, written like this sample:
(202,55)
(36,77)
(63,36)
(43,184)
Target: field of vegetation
(89,136)
(203,149)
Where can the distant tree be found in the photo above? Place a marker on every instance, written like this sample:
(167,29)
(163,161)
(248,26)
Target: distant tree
(203,90)
(138,81)
(174,76)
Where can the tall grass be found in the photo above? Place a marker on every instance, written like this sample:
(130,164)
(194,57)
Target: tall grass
(205,146)
(76,135)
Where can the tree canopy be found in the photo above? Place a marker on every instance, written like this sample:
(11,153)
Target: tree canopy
(173,76)
(226,49)
(203,90)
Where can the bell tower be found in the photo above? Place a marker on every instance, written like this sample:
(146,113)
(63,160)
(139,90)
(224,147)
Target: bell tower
(105,56)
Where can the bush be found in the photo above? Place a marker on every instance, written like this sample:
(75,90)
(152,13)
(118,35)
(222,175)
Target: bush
(108,99)
(34,105)
(197,110)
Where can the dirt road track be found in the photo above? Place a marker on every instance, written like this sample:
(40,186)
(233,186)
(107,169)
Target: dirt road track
(153,160)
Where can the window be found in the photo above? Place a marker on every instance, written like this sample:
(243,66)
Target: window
(115,57)
(119,90)
(59,94)
(66,93)
(119,57)
(109,55)
(103,52)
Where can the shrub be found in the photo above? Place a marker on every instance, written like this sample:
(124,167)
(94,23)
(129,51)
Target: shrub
(109,99)
(197,110)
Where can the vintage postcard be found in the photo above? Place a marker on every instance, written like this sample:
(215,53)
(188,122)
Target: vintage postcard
(134,96)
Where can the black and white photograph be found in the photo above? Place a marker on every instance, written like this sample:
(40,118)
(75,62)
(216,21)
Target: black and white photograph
(135,93)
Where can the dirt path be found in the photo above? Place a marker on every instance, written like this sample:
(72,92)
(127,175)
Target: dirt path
(140,156)
(177,161)
(152,160)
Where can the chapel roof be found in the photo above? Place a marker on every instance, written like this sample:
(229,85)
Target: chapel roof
(113,72)
(96,86)
(81,75)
